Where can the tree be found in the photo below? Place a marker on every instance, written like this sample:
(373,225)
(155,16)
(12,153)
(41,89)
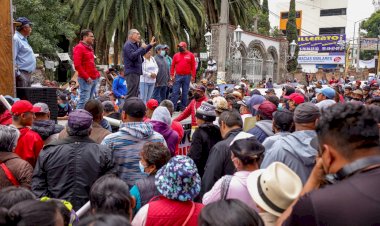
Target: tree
(167,20)
(276,32)
(292,34)
(49,23)
(264,25)
(372,28)
(237,14)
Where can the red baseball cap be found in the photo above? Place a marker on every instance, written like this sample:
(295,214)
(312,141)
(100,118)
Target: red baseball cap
(182,44)
(296,97)
(23,106)
(152,104)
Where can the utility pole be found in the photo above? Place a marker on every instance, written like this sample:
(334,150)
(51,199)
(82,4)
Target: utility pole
(222,45)
(7,78)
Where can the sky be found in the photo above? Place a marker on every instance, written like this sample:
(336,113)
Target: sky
(357,10)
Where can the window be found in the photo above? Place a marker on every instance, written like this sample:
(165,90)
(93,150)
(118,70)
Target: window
(285,15)
(333,12)
(332,30)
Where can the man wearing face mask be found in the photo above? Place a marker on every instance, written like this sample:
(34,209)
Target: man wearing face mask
(182,71)
(199,97)
(162,79)
(348,143)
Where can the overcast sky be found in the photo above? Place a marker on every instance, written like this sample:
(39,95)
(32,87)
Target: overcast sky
(357,10)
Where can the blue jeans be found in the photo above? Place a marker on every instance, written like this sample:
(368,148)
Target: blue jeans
(159,93)
(181,81)
(86,91)
(146,90)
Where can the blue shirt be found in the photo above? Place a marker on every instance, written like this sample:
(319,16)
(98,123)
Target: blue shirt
(23,53)
(119,87)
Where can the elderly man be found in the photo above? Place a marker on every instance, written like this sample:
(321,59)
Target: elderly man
(23,53)
(353,156)
(45,127)
(294,150)
(133,52)
(30,143)
(61,171)
(84,63)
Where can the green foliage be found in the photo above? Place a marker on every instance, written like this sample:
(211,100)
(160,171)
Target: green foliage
(291,34)
(167,20)
(372,25)
(49,23)
(276,32)
(237,14)
(264,25)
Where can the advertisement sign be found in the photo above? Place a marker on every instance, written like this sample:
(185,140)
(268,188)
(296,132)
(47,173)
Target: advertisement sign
(333,59)
(322,43)
(368,43)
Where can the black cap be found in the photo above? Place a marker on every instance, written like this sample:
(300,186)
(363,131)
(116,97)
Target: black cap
(367,88)
(23,21)
(134,107)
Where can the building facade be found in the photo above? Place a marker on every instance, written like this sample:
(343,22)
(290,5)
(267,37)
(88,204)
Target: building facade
(257,57)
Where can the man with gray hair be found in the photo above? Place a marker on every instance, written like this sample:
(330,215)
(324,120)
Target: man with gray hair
(133,52)
(66,169)
(294,150)
(14,171)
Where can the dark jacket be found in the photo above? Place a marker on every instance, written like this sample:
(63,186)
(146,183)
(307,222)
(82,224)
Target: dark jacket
(219,162)
(163,71)
(66,169)
(147,189)
(262,130)
(132,56)
(204,138)
(46,128)
(20,169)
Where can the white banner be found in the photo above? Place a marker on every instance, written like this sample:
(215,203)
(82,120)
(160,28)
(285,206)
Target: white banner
(367,63)
(334,59)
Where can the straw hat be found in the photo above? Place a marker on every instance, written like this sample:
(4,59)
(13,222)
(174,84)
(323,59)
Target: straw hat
(274,188)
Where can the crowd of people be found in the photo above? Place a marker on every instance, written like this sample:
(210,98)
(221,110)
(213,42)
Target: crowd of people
(309,156)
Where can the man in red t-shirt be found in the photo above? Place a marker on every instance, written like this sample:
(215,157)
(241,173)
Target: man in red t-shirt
(30,143)
(182,71)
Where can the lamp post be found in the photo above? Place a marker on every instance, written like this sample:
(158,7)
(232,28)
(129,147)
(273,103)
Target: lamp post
(238,31)
(353,44)
(208,39)
(292,48)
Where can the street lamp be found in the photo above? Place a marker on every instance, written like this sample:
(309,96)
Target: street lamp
(293,46)
(208,38)
(238,33)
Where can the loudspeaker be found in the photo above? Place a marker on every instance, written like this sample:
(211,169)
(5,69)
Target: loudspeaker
(45,95)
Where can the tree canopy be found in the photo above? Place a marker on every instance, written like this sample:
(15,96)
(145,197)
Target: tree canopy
(50,23)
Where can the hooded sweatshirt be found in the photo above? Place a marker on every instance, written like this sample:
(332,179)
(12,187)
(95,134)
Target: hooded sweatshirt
(262,130)
(126,145)
(161,122)
(46,128)
(29,145)
(294,151)
(268,143)
(6,118)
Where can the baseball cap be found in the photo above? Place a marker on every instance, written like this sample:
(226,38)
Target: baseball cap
(288,90)
(215,93)
(152,104)
(80,119)
(24,21)
(327,91)
(296,97)
(165,46)
(23,106)
(201,88)
(270,90)
(244,102)
(358,91)
(182,44)
(44,107)
(158,47)
(267,108)
(367,88)
(135,107)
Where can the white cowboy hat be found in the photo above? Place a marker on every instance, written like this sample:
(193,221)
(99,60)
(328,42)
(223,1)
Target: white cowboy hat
(274,188)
